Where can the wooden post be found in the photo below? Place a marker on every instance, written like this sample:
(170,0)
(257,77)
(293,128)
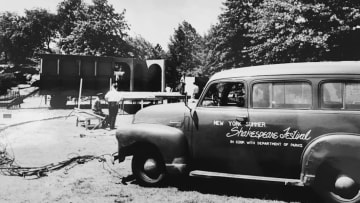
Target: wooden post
(80,89)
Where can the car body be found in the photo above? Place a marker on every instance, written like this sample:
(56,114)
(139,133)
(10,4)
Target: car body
(295,123)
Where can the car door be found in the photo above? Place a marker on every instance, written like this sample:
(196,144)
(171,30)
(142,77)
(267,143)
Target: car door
(286,110)
(265,139)
(219,118)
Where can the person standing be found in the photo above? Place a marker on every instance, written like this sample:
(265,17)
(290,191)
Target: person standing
(113,98)
(195,93)
(181,86)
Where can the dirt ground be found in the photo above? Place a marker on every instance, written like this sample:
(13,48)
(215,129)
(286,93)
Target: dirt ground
(34,139)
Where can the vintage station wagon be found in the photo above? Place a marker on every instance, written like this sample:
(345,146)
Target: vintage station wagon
(295,123)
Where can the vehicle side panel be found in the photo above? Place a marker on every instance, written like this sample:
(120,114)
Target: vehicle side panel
(169,141)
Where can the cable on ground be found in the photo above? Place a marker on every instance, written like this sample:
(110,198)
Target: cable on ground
(8,166)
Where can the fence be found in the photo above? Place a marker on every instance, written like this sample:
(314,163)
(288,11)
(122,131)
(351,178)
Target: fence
(11,100)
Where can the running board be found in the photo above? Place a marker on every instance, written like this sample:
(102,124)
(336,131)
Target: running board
(209,174)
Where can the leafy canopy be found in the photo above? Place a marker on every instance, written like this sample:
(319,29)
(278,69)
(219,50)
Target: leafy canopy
(92,29)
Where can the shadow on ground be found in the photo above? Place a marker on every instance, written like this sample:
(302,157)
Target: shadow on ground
(246,189)
(240,188)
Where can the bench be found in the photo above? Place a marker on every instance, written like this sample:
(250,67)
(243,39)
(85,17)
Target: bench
(85,118)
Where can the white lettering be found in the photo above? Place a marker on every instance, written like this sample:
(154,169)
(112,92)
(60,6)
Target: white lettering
(219,123)
(288,135)
(234,123)
(256,124)
(295,145)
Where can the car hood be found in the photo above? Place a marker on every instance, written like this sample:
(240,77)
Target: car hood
(167,114)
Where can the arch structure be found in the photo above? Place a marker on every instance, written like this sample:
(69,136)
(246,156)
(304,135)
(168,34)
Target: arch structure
(156,70)
(61,74)
(139,75)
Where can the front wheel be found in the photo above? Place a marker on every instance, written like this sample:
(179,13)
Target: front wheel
(148,168)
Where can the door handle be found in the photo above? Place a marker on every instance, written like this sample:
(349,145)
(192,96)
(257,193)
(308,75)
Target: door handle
(242,119)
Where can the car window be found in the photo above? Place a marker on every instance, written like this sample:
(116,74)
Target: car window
(261,95)
(224,94)
(282,95)
(340,95)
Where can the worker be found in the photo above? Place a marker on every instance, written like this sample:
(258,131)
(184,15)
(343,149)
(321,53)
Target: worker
(181,86)
(96,108)
(113,97)
(195,93)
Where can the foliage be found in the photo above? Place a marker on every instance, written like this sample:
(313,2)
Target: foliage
(41,27)
(213,56)
(228,39)
(255,32)
(13,39)
(7,80)
(248,32)
(143,49)
(158,52)
(343,27)
(185,48)
(69,12)
(281,33)
(95,30)
(21,36)
(291,31)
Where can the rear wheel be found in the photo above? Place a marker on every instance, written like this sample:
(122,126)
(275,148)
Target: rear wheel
(148,168)
(337,187)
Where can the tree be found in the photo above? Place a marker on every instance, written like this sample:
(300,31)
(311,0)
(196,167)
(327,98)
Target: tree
(143,49)
(343,28)
(159,52)
(184,49)
(307,30)
(229,39)
(287,31)
(22,36)
(213,55)
(69,12)
(41,27)
(101,32)
(14,43)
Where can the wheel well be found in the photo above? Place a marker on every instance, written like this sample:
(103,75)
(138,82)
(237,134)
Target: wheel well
(331,167)
(325,174)
(144,146)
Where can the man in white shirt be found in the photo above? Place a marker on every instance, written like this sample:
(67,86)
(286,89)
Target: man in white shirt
(113,97)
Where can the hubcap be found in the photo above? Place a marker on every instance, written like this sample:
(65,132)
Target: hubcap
(346,187)
(150,166)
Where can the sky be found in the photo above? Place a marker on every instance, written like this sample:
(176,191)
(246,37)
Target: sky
(154,20)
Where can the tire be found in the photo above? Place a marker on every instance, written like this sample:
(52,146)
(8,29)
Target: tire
(335,187)
(148,168)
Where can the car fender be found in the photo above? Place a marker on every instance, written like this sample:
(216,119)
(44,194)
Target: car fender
(170,142)
(339,150)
